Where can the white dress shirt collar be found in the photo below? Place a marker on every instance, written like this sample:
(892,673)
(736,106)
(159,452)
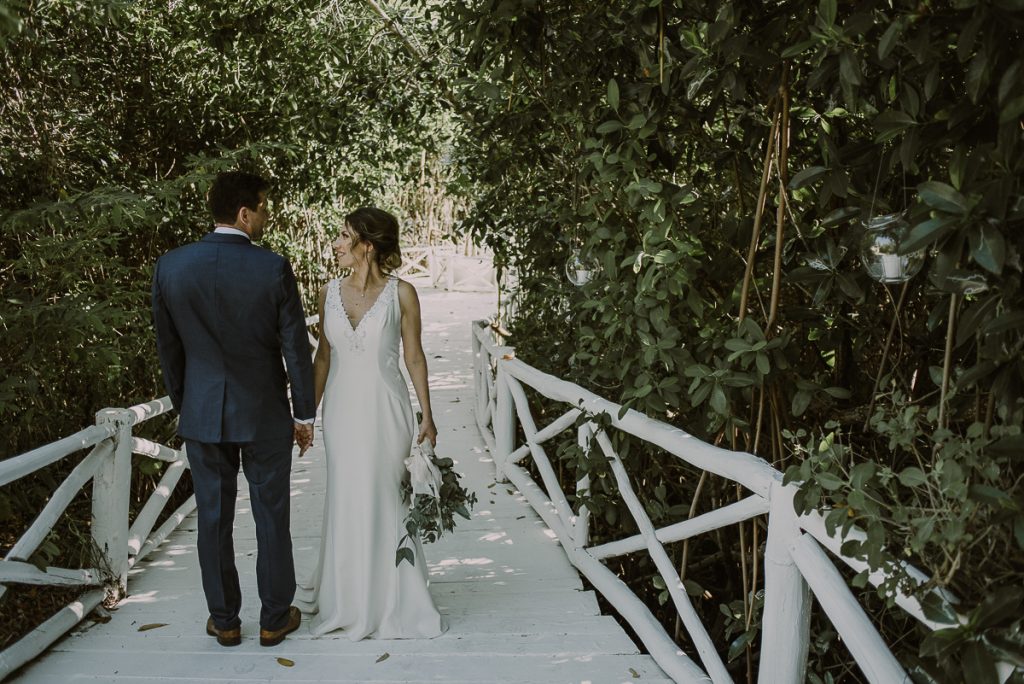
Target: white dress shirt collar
(228,230)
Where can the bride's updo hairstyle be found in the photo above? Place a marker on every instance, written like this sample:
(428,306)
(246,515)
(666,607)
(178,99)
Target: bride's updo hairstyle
(380,229)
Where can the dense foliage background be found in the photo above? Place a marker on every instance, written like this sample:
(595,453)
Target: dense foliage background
(716,161)
(114,117)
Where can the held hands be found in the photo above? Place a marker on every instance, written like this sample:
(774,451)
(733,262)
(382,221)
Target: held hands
(303,437)
(427,431)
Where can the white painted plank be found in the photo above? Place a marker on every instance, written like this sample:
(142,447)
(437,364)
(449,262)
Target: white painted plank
(450,643)
(456,679)
(218,664)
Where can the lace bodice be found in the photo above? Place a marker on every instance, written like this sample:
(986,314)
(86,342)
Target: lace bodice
(356,337)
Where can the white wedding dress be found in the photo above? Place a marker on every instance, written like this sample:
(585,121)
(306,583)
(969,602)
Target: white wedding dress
(368,428)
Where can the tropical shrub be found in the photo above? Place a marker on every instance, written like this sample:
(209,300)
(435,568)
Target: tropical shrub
(714,164)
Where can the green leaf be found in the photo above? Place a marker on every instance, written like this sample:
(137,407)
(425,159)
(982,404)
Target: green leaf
(990,250)
(849,68)
(827,12)
(763,364)
(924,234)
(798,48)
(737,344)
(942,197)
(719,403)
(912,477)
(888,41)
(613,95)
(806,177)
(990,495)
(1012,110)
(1010,320)
(978,666)
(976,373)
(801,400)
(838,216)
(637,121)
(977,75)
(937,609)
(829,480)
(942,641)
(861,473)
(609,127)
(998,607)
(893,120)
(740,644)
(1008,650)
(1009,446)
(404,554)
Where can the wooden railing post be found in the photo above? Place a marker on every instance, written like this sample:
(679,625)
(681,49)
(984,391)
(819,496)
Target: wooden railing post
(581,528)
(110,494)
(504,424)
(786,618)
(433,266)
(481,361)
(450,280)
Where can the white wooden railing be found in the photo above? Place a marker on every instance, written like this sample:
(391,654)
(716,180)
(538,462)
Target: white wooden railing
(121,543)
(446,268)
(796,566)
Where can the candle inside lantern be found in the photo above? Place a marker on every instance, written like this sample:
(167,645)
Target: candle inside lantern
(880,247)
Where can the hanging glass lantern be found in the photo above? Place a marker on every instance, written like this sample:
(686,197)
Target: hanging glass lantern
(579,268)
(879,250)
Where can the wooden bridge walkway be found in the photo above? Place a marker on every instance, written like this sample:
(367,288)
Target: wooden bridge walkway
(516,608)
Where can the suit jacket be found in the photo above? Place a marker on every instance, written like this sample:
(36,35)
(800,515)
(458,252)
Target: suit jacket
(225,312)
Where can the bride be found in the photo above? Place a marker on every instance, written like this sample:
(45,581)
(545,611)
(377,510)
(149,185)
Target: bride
(368,428)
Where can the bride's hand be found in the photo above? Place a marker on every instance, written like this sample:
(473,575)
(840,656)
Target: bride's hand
(427,431)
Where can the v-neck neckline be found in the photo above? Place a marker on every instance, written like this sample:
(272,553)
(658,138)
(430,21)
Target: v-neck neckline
(366,314)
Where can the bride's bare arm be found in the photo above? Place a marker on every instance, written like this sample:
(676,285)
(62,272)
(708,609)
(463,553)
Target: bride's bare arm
(415,359)
(322,360)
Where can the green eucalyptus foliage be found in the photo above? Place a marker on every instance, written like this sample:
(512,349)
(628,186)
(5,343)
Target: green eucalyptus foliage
(637,134)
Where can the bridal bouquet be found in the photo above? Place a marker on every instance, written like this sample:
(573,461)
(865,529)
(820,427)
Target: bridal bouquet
(434,496)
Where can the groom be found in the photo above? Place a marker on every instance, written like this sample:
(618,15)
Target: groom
(225,313)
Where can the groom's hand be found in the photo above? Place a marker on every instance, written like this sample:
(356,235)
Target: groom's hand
(303,437)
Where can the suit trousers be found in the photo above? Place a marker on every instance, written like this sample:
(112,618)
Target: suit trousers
(267,468)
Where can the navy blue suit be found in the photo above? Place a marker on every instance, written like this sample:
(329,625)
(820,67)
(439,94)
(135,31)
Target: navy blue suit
(226,312)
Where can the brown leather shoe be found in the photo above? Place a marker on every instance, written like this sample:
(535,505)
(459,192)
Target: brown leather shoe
(270,637)
(225,637)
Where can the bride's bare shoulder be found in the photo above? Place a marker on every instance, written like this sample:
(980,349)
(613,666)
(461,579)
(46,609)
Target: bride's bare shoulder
(407,293)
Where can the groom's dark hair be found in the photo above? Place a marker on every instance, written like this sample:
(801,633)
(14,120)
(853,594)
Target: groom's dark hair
(233,190)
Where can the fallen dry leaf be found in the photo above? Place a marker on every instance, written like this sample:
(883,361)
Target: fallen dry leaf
(286,662)
(152,625)
(384,657)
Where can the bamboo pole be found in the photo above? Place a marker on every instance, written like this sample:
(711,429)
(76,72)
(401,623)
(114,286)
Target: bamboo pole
(947,362)
(885,352)
(780,212)
(683,562)
(762,198)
